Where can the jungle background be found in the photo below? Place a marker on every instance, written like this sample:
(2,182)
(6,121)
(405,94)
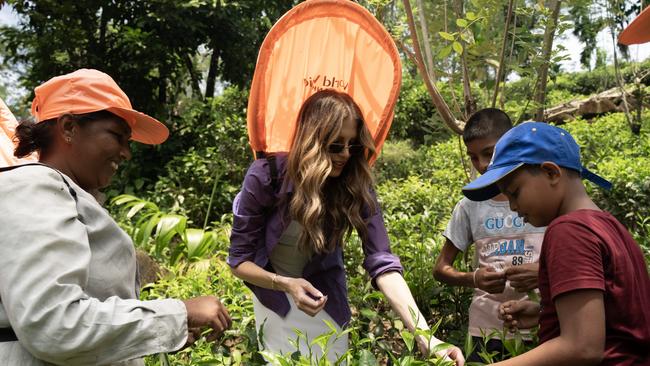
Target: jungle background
(189,64)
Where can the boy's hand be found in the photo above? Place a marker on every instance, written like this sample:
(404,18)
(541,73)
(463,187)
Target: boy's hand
(489,280)
(523,278)
(516,314)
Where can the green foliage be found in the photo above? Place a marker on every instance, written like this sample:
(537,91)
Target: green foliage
(165,236)
(418,193)
(207,153)
(416,209)
(157,39)
(187,184)
(211,277)
(415,116)
(216,154)
(610,149)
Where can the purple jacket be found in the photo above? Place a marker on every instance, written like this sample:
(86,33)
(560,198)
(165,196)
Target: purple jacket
(259,221)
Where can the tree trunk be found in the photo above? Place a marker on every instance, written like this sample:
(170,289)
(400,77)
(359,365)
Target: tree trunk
(196,89)
(470,104)
(636,129)
(212,73)
(549,34)
(162,86)
(502,58)
(425,40)
(438,101)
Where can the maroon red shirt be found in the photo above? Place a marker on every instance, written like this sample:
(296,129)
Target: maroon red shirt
(590,249)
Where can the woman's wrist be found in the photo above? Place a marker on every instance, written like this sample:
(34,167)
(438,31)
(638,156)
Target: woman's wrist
(280,283)
(274,280)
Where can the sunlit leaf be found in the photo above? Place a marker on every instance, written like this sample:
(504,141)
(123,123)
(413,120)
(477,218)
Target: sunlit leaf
(444,52)
(447,36)
(458,48)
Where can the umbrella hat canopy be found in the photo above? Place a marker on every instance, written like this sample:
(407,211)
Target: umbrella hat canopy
(8,125)
(322,44)
(638,31)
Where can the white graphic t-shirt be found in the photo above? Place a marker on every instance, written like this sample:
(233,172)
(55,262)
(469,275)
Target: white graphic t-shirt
(502,239)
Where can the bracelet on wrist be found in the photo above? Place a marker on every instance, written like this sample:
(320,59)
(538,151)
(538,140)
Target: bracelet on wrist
(273,280)
(474,277)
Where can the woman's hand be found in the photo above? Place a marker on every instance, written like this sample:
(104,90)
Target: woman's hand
(306,297)
(489,280)
(521,314)
(523,278)
(452,353)
(206,311)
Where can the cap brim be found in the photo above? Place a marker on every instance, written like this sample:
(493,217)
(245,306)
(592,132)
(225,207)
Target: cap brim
(638,31)
(597,179)
(485,187)
(144,129)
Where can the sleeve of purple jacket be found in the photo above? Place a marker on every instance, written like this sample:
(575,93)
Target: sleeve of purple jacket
(249,214)
(379,259)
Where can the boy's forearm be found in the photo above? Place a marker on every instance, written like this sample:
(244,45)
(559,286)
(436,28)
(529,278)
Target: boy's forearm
(582,340)
(444,270)
(451,276)
(556,352)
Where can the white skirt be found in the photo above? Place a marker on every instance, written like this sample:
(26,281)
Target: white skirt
(278,333)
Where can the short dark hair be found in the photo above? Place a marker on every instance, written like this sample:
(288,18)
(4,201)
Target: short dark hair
(487,122)
(535,169)
(31,136)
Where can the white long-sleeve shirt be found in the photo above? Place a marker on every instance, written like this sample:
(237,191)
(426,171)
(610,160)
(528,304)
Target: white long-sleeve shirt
(68,280)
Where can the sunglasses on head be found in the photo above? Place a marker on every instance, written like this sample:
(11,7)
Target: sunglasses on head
(337,148)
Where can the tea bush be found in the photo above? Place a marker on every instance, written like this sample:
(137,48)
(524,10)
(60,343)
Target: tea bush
(418,188)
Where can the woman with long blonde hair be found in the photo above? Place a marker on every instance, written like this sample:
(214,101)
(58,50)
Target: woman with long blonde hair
(291,219)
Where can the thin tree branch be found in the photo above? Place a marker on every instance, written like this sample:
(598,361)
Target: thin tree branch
(512,51)
(438,101)
(502,66)
(425,40)
(619,80)
(470,104)
(549,34)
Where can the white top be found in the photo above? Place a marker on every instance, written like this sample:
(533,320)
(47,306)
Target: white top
(68,280)
(502,239)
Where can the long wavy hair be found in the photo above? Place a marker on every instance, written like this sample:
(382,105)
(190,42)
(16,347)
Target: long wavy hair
(328,208)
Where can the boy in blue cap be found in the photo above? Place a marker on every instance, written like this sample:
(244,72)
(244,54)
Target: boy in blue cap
(506,250)
(593,281)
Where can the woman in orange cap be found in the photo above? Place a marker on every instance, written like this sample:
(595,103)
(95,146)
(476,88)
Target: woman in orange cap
(68,285)
(291,219)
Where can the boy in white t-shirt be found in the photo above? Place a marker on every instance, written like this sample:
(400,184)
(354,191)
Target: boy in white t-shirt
(506,249)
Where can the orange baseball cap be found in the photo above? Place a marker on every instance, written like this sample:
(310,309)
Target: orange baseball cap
(638,31)
(88,90)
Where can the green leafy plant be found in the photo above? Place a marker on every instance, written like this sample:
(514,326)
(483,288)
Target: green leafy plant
(165,236)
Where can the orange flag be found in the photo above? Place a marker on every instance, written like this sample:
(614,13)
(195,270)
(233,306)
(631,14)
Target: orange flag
(322,44)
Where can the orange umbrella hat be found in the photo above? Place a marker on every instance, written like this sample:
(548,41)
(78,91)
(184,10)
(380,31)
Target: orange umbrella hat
(638,31)
(322,44)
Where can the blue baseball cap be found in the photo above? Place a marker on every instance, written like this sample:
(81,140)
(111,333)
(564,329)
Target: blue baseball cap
(529,143)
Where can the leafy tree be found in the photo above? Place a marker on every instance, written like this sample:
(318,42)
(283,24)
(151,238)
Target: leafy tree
(153,49)
(149,47)
(592,16)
